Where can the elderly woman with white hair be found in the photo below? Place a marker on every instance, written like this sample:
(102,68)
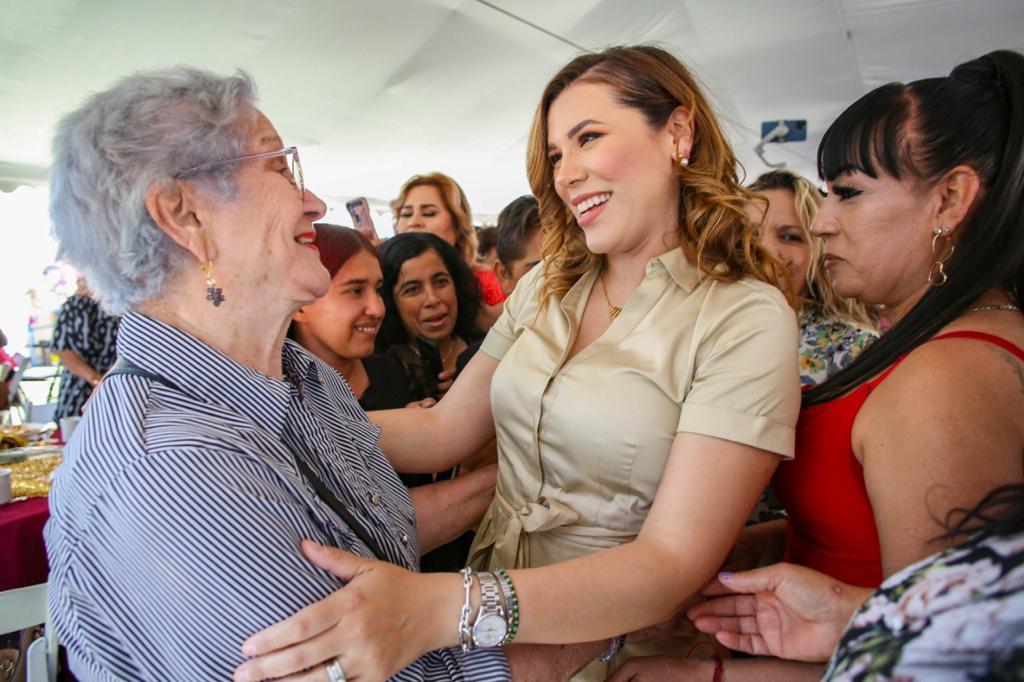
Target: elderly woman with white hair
(214,447)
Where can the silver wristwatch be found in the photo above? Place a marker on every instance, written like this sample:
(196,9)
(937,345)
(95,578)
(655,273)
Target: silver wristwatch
(491,624)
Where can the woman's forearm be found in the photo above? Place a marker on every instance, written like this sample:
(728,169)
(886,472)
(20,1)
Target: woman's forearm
(424,441)
(770,670)
(759,545)
(613,592)
(447,509)
(74,363)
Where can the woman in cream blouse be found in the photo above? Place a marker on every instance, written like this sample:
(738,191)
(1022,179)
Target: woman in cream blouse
(641,383)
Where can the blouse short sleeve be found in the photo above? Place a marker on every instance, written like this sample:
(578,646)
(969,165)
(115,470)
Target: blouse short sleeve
(745,385)
(520,308)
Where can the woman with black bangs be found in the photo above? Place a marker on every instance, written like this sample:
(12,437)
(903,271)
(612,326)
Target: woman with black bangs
(924,217)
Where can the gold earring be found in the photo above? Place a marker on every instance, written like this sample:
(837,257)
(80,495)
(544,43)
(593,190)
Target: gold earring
(214,294)
(942,249)
(684,161)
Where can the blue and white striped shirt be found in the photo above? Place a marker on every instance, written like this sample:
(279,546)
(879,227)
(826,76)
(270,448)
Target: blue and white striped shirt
(177,514)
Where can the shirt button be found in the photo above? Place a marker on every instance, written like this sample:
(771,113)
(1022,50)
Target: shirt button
(375,499)
(404,539)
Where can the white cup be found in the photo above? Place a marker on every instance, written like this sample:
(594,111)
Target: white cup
(67,427)
(5,486)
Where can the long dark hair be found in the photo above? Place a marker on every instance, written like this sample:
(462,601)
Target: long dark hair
(400,248)
(1000,512)
(922,130)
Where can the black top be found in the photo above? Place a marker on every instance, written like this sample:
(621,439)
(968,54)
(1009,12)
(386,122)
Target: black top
(396,379)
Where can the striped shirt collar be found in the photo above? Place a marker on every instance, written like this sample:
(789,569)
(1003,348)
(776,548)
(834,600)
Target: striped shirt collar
(207,374)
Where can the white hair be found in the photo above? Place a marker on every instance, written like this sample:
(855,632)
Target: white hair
(146,128)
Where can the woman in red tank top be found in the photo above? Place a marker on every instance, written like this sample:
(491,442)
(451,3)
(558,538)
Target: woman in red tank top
(926,221)
(925,216)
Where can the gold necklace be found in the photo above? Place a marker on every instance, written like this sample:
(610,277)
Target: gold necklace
(613,311)
(444,358)
(995,306)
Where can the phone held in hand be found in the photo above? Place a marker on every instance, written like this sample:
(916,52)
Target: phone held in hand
(359,209)
(432,364)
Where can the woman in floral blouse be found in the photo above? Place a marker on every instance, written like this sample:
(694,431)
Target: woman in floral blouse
(833,330)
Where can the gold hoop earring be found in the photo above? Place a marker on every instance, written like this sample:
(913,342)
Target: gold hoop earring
(942,250)
(214,294)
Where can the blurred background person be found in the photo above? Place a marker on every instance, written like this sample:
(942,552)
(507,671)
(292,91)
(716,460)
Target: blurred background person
(340,328)
(431,302)
(429,292)
(833,330)
(519,244)
(85,340)
(435,203)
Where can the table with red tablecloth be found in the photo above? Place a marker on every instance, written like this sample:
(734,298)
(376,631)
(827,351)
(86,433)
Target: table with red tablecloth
(22,552)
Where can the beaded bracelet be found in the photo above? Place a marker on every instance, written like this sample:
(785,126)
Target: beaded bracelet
(511,605)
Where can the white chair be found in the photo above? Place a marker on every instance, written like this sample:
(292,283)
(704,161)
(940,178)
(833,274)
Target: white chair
(23,608)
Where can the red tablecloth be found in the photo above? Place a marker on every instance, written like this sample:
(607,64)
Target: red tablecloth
(22,552)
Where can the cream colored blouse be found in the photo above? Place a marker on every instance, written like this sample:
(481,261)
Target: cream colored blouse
(582,443)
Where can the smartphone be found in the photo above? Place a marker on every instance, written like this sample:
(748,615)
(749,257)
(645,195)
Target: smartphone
(432,365)
(361,220)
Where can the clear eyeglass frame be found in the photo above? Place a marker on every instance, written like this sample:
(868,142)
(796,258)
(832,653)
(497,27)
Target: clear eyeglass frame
(295,166)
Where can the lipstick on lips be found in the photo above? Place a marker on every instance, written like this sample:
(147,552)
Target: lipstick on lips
(589,206)
(307,239)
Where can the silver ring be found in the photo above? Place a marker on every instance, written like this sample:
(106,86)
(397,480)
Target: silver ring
(334,671)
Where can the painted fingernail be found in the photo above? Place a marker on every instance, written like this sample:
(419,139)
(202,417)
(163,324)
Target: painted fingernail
(725,575)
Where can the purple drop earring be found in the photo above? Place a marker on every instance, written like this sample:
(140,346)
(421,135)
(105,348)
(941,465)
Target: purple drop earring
(214,294)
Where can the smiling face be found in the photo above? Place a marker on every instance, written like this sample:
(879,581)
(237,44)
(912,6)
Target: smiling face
(614,171)
(261,238)
(784,237)
(343,324)
(424,210)
(425,297)
(877,237)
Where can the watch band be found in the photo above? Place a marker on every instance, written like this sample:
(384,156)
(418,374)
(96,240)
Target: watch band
(491,624)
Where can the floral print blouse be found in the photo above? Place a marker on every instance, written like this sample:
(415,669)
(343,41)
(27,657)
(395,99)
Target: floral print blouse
(957,615)
(827,345)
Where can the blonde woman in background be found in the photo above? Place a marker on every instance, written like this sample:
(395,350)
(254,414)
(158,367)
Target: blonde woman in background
(833,330)
(435,203)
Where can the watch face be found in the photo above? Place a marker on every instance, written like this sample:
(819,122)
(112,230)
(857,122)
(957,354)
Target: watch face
(489,630)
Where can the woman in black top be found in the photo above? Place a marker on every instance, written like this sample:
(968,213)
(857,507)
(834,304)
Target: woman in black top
(340,328)
(432,300)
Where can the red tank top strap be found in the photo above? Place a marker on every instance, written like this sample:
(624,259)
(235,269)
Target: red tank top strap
(982,336)
(979,336)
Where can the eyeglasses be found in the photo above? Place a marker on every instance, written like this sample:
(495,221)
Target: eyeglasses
(294,168)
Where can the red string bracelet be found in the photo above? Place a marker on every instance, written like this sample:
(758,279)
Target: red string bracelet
(717,677)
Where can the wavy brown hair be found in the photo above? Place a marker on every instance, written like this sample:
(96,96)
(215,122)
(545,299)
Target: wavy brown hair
(715,231)
(454,201)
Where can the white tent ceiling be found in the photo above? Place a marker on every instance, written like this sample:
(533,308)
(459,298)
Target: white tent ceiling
(376,90)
